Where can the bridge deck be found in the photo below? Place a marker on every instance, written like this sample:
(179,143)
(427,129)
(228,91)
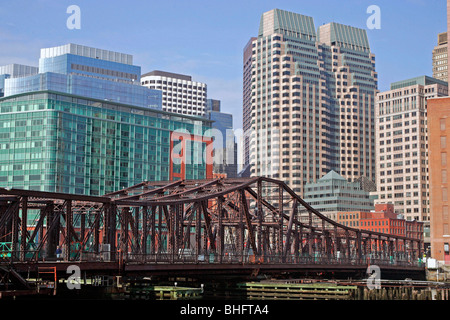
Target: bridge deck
(224,269)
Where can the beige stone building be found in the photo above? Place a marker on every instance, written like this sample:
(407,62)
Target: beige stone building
(440,58)
(312,100)
(402,146)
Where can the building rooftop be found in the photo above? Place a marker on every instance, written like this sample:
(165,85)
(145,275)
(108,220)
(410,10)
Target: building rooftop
(339,34)
(85,51)
(442,38)
(285,22)
(332,175)
(421,80)
(18,70)
(168,75)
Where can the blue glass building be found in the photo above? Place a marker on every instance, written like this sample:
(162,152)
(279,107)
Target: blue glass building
(89,72)
(80,85)
(14,71)
(83,124)
(59,142)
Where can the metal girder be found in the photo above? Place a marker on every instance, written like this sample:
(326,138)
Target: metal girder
(190,221)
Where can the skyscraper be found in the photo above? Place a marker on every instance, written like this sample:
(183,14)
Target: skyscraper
(247,105)
(440,59)
(312,100)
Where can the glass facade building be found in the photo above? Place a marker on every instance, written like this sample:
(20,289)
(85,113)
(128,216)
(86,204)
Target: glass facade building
(96,88)
(90,67)
(14,70)
(89,72)
(3,77)
(59,142)
(333,193)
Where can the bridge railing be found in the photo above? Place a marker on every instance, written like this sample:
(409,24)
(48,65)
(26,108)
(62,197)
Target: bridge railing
(317,259)
(400,259)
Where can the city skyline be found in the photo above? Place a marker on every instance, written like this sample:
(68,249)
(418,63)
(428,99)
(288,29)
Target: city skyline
(206,39)
(210,146)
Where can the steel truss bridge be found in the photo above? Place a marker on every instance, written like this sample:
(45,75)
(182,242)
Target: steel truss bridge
(221,226)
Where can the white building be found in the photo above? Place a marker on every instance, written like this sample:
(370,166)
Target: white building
(180,93)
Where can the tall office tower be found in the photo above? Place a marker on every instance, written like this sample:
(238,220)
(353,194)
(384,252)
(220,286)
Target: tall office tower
(402,146)
(179,93)
(87,72)
(247,106)
(312,100)
(440,58)
(225,148)
(14,71)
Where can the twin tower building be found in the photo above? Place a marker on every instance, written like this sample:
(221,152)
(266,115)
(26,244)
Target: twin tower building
(309,100)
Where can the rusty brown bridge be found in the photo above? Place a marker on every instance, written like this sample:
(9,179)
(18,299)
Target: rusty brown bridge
(192,228)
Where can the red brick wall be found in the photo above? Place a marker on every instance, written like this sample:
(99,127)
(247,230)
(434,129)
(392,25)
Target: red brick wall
(438,118)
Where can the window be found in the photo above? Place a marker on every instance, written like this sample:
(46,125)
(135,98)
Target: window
(444,176)
(442,123)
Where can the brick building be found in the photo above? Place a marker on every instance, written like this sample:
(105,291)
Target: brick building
(383,219)
(439,166)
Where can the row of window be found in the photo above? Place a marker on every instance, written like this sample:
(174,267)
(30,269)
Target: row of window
(174,84)
(169,92)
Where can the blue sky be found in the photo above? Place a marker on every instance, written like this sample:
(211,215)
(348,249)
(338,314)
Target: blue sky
(205,39)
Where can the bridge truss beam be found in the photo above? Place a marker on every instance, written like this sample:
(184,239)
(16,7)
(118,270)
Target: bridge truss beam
(249,220)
